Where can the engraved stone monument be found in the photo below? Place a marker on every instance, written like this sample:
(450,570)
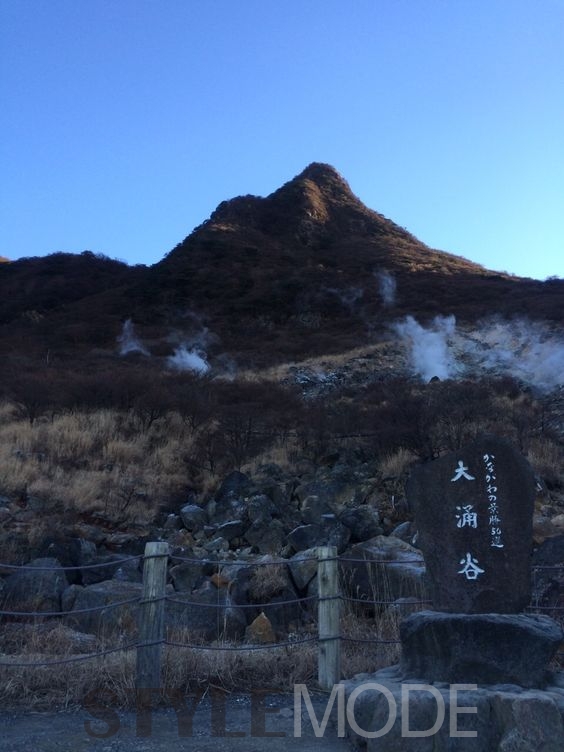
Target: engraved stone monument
(473,512)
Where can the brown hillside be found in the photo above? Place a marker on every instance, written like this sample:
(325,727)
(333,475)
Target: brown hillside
(291,275)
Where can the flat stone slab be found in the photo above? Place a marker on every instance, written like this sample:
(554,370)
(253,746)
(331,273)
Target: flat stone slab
(389,716)
(474,515)
(479,648)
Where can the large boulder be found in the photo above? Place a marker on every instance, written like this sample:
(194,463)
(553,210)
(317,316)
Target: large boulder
(329,532)
(266,537)
(104,567)
(384,569)
(208,614)
(92,609)
(186,576)
(363,522)
(39,590)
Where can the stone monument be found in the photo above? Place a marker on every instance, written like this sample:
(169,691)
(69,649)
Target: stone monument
(473,510)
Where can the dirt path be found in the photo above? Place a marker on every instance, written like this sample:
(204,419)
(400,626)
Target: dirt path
(213,725)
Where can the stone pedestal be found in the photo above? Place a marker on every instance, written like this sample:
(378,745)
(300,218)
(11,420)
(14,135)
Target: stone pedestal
(479,648)
(490,718)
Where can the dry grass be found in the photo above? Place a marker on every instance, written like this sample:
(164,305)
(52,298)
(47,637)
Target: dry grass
(94,462)
(547,459)
(268,581)
(185,669)
(395,464)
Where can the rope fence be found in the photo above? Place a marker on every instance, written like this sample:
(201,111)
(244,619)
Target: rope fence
(150,610)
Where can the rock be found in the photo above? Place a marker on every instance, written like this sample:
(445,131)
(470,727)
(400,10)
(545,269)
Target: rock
(107,567)
(217,544)
(234,486)
(305,537)
(122,619)
(473,512)
(40,590)
(283,615)
(313,508)
(543,528)
(69,552)
(399,573)
(69,596)
(193,517)
(405,532)
(548,579)
(186,576)
(362,521)
(260,631)
(129,571)
(303,567)
(499,719)
(128,544)
(173,522)
(479,648)
(240,576)
(210,615)
(261,509)
(330,533)
(266,537)
(336,534)
(231,530)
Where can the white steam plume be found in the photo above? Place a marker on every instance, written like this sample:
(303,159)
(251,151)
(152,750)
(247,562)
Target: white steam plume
(527,351)
(387,287)
(189,360)
(429,350)
(129,342)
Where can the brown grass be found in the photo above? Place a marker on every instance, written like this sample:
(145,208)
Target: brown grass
(94,462)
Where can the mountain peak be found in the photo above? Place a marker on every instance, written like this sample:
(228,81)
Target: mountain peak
(320,172)
(325,179)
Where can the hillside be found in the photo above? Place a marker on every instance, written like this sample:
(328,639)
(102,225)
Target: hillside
(307,271)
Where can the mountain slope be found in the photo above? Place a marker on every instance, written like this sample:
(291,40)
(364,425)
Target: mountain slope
(308,270)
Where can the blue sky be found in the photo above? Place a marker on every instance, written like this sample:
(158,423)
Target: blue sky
(125,122)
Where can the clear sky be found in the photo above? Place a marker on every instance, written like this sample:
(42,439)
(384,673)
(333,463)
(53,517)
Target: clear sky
(125,122)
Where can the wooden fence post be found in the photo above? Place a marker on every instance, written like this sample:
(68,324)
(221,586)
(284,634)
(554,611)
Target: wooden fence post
(151,616)
(329,658)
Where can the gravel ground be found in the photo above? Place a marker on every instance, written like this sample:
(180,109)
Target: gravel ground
(215,721)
